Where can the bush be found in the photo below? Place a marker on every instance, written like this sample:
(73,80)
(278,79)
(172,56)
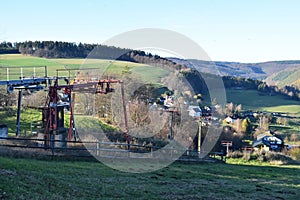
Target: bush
(234,154)
(295,153)
(275,158)
(246,155)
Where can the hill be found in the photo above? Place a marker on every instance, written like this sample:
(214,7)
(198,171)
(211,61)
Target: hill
(58,179)
(279,73)
(59,49)
(112,66)
(252,100)
(289,76)
(153,73)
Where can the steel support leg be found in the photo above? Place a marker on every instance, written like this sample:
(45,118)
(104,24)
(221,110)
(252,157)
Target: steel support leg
(19,113)
(171,125)
(125,115)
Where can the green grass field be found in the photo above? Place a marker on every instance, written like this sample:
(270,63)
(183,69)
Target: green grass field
(31,115)
(146,72)
(56,179)
(250,99)
(19,60)
(27,116)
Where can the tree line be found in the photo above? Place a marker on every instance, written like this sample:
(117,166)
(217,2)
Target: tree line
(55,49)
(8,48)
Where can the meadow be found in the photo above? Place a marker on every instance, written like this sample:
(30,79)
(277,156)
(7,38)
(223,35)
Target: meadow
(16,61)
(58,179)
(252,100)
(28,116)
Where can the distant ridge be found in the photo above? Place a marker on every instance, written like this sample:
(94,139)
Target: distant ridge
(279,73)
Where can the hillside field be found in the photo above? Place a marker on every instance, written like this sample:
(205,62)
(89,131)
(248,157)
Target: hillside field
(57,179)
(250,99)
(146,72)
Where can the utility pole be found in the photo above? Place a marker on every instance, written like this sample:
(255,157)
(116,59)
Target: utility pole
(170,125)
(199,135)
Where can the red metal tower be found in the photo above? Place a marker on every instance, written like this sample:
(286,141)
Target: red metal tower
(53,113)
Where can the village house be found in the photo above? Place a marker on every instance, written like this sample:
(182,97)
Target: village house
(269,142)
(195,111)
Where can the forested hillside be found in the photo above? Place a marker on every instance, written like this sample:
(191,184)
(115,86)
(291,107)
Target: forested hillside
(274,77)
(278,73)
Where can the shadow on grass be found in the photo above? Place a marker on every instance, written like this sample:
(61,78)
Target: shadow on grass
(60,179)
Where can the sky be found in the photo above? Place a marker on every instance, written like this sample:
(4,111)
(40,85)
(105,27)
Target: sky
(228,30)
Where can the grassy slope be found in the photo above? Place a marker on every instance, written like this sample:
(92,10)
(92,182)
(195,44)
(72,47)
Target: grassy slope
(285,77)
(250,99)
(24,179)
(20,60)
(30,115)
(27,116)
(107,66)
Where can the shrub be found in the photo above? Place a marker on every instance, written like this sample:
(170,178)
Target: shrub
(295,153)
(246,155)
(275,158)
(234,154)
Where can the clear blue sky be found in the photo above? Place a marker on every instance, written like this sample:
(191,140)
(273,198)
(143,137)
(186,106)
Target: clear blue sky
(228,30)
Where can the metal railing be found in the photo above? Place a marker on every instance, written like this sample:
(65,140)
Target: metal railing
(16,73)
(113,150)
